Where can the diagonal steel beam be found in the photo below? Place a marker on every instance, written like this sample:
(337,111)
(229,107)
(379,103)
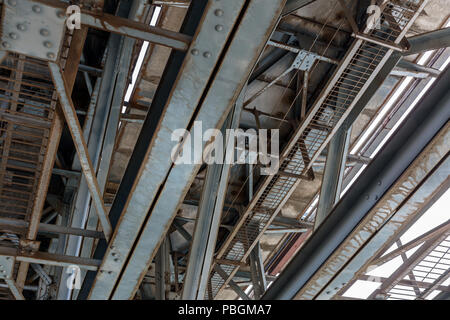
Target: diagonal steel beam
(80,145)
(209,218)
(172,110)
(293,5)
(413,243)
(128,27)
(223,93)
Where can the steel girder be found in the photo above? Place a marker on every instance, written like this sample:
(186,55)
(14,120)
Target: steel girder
(209,216)
(426,176)
(405,145)
(154,158)
(351,79)
(150,126)
(258,23)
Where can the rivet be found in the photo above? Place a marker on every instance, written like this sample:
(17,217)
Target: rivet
(48,44)
(116,260)
(13,36)
(207,54)
(37,9)
(44,32)
(12,3)
(8,258)
(109,272)
(114,254)
(51,55)
(219,27)
(60,14)
(21,27)
(6,44)
(195,52)
(218,12)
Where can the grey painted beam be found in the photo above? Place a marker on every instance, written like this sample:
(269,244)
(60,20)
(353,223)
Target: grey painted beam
(428,41)
(227,84)
(208,218)
(81,147)
(404,146)
(330,189)
(151,159)
(233,285)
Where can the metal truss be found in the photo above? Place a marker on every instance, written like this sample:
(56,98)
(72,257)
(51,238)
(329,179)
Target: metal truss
(354,74)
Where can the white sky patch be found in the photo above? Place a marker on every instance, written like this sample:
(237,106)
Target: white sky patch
(140,59)
(437,214)
(361,289)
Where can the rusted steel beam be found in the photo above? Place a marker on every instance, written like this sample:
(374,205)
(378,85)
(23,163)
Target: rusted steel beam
(129,28)
(81,147)
(50,259)
(70,73)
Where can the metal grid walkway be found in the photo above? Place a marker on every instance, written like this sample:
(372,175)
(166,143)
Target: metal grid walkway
(348,83)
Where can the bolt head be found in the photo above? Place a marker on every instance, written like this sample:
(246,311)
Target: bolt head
(51,55)
(13,36)
(22,27)
(37,9)
(44,32)
(219,27)
(60,14)
(6,45)
(12,3)
(207,54)
(218,12)
(195,52)
(48,44)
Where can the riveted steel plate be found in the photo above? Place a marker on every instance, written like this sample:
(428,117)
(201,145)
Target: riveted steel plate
(6,267)
(304,60)
(32,29)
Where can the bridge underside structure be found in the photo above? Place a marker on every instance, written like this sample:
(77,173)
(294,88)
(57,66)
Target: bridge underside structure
(346,199)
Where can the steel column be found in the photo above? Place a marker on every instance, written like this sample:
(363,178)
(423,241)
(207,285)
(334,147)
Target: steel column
(330,191)
(208,218)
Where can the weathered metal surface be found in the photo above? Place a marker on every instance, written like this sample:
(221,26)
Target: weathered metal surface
(193,77)
(395,157)
(81,147)
(33,29)
(50,259)
(137,30)
(360,66)
(123,26)
(223,93)
(394,209)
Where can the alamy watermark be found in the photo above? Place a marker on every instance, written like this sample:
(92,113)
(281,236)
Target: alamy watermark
(237,147)
(73,14)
